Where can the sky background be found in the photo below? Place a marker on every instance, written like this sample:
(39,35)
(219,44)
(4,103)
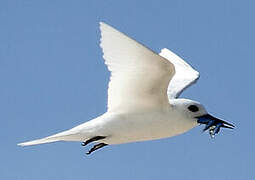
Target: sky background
(52,78)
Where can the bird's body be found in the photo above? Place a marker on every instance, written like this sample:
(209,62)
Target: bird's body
(142,126)
(142,105)
(128,127)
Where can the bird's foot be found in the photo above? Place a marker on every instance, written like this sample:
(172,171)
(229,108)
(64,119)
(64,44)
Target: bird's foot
(96,147)
(96,138)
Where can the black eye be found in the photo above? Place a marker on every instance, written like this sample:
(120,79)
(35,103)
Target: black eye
(193,108)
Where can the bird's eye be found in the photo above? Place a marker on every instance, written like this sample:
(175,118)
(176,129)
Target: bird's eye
(193,108)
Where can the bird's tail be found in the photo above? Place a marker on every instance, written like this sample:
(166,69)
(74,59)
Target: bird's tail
(62,136)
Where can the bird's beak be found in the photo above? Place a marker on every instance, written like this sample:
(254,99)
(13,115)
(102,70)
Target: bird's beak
(213,124)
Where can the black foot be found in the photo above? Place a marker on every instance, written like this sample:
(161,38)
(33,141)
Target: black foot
(96,138)
(97,146)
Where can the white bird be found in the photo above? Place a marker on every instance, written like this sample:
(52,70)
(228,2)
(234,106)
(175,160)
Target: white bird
(143,99)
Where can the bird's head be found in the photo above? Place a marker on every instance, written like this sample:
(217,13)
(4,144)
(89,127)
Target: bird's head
(196,112)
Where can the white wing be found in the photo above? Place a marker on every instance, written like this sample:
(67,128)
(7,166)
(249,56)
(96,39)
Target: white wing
(184,76)
(139,77)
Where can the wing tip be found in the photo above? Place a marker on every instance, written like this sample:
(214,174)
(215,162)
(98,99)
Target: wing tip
(103,25)
(177,60)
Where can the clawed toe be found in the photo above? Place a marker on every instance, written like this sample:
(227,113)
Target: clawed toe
(95,147)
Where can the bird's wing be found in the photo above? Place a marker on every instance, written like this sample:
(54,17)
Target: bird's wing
(184,76)
(139,77)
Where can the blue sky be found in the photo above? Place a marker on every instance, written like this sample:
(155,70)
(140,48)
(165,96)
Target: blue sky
(53,77)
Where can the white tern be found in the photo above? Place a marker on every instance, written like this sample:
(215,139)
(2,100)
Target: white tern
(143,101)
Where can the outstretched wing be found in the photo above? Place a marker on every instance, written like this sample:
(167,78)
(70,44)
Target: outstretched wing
(184,76)
(139,77)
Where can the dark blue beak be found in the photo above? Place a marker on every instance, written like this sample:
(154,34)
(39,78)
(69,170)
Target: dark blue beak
(213,124)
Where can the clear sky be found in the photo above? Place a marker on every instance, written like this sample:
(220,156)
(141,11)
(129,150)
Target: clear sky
(52,77)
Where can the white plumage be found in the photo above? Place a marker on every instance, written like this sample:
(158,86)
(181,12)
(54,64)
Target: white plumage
(142,105)
(139,77)
(184,77)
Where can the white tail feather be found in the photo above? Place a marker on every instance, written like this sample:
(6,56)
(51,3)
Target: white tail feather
(38,141)
(62,136)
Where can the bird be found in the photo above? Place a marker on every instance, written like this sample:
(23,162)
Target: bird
(143,97)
